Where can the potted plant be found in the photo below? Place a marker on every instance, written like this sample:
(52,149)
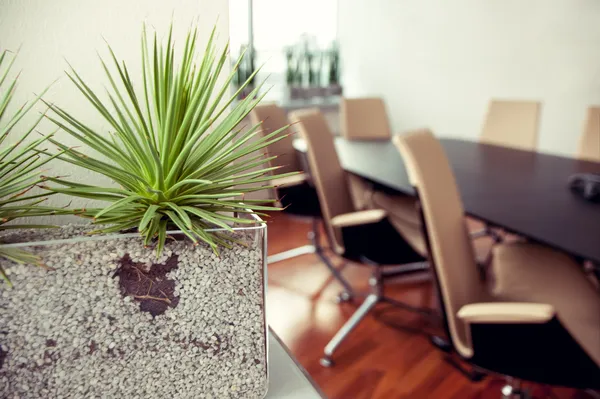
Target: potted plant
(20,164)
(180,311)
(245,77)
(334,70)
(292,73)
(315,63)
(300,91)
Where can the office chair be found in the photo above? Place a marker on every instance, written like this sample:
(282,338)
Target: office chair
(364,119)
(367,119)
(589,150)
(512,124)
(589,144)
(358,236)
(541,320)
(295,193)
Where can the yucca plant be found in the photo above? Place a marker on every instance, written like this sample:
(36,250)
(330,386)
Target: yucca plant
(178,156)
(20,167)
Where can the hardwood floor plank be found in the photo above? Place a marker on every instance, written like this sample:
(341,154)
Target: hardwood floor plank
(389,355)
(362,385)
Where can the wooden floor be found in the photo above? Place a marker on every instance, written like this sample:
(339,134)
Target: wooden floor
(388,356)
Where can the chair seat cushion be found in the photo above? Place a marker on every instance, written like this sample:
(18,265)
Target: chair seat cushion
(525,272)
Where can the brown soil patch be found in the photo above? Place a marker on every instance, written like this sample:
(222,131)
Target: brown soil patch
(151,288)
(2,357)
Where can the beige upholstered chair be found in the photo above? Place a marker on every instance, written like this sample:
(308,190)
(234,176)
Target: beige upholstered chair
(589,144)
(293,192)
(512,124)
(364,119)
(540,322)
(367,119)
(329,177)
(359,236)
(272,117)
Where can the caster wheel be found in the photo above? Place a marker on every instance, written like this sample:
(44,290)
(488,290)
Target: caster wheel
(343,297)
(326,362)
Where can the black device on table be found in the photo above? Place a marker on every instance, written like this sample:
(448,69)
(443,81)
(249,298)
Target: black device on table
(587,185)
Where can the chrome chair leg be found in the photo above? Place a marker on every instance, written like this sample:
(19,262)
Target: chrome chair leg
(315,248)
(368,304)
(348,293)
(292,253)
(377,296)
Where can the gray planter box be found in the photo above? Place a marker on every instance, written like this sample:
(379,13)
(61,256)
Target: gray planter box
(109,319)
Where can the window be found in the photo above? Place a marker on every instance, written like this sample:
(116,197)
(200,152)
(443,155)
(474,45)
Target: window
(274,26)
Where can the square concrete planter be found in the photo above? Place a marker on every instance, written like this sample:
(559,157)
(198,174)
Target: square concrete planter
(109,319)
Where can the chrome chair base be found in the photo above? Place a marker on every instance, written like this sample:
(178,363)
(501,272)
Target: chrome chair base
(315,248)
(347,295)
(369,303)
(292,253)
(377,296)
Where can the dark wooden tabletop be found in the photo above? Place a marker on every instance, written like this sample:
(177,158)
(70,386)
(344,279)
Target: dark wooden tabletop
(523,192)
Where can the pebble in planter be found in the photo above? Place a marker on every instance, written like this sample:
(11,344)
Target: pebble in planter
(112,320)
(159,315)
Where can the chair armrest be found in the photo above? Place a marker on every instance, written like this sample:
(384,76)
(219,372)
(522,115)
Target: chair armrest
(506,312)
(358,218)
(288,180)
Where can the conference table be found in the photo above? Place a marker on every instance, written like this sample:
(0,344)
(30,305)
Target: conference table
(522,192)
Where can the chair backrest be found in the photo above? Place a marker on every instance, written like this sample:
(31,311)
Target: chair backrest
(272,117)
(589,144)
(512,124)
(449,245)
(364,119)
(326,171)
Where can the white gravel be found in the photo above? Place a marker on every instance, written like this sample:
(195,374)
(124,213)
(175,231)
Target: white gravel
(70,333)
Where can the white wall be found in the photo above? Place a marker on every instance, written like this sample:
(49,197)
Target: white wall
(438,62)
(51,31)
